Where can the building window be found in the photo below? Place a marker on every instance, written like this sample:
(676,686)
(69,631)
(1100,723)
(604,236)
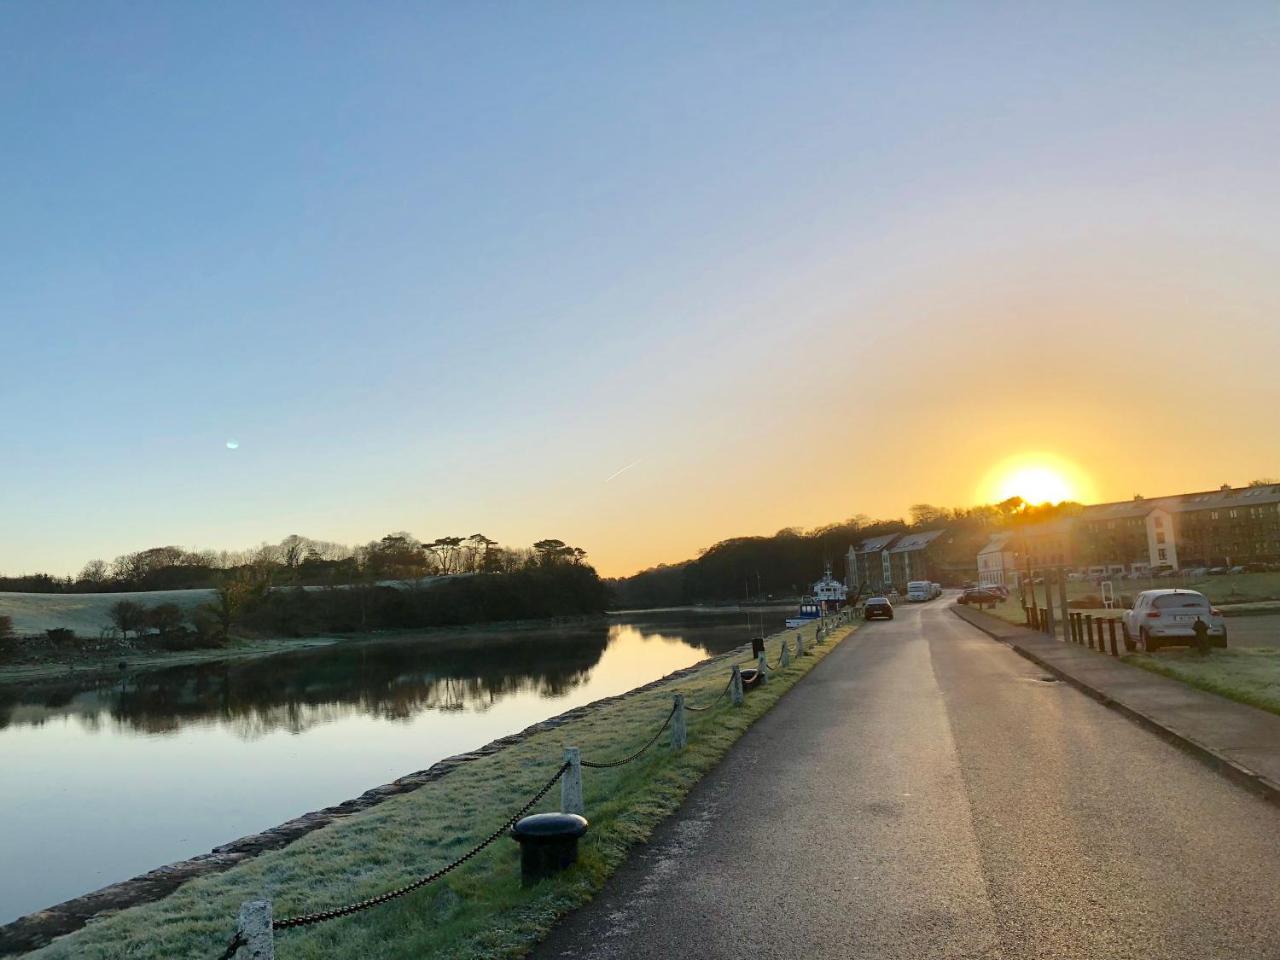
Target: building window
(1159,536)
(1160,554)
(1159,522)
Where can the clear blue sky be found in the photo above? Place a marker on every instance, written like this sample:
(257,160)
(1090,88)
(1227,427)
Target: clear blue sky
(447,268)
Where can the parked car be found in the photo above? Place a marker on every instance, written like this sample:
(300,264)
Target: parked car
(1217,571)
(877,608)
(980,596)
(1167,618)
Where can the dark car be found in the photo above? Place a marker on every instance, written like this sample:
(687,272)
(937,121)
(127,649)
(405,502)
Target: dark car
(980,596)
(877,608)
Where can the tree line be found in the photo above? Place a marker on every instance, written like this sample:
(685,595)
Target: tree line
(751,569)
(294,560)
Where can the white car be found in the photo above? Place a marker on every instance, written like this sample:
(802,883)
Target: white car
(1163,618)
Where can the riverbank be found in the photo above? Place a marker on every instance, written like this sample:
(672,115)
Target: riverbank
(481,909)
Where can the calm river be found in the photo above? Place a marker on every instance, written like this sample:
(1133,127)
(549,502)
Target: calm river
(104,781)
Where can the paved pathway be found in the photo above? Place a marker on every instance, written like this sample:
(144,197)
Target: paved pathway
(922,793)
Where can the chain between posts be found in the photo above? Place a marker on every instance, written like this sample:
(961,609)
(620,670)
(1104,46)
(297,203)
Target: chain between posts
(708,706)
(304,920)
(635,756)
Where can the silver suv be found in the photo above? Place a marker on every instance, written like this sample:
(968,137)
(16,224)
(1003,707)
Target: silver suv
(1164,618)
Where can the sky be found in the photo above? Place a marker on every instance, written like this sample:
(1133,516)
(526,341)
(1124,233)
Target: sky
(638,276)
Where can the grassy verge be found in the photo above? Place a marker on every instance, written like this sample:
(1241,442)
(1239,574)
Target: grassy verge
(1247,675)
(480,910)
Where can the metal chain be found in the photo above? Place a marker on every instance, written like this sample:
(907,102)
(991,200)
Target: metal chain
(236,943)
(636,755)
(708,706)
(310,918)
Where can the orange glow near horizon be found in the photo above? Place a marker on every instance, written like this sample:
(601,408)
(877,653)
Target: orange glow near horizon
(1036,478)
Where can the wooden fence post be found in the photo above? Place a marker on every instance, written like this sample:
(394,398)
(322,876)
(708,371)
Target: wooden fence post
(679,731)
(571,783)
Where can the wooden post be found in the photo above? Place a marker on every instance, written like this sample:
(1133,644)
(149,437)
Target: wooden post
(1049,625)
(1111,636)
(786,655)
(254,927)
(571,783)
(1062,595)
(735,687)
(679,731)
(1088,629)
(762,669)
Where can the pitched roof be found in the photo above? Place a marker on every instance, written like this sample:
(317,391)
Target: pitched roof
(1183,502)
(916,541)
(877,543)
(998,543)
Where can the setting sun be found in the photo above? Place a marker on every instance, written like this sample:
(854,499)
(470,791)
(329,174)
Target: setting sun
(1036,478)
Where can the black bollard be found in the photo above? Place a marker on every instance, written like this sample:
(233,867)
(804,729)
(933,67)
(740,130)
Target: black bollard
(757,646)
(548,844)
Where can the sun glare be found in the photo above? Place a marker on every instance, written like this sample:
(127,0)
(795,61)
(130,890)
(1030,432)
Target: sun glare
(1036,478)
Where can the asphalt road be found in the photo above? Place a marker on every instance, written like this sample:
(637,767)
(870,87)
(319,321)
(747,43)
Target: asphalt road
(922,793)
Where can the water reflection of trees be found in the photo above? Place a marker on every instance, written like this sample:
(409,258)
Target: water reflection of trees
(393,681)
(293,692)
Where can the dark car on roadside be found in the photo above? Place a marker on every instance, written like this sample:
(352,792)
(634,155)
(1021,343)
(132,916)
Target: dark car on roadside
(877,608)
(980,596)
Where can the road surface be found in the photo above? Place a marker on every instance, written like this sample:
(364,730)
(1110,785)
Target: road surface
(923,793)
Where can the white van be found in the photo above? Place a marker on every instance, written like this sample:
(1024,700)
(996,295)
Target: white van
(919,591)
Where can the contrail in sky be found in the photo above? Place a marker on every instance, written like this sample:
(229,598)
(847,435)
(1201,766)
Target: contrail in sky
(620,472)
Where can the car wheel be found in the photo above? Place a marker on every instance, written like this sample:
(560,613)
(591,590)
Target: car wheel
(1148,644)
(1129,645)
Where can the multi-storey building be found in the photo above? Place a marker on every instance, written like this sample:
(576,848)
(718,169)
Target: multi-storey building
(1223,527)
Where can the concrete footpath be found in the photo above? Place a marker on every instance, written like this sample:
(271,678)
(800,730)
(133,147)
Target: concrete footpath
(1237,740)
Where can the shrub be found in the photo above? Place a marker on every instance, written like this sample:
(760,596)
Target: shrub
(60,635)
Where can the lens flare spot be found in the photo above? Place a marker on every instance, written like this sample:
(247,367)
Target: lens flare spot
(233,444)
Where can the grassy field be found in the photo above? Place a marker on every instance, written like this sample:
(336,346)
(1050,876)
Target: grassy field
(84,613)
(1250,676)
(480,910)
(1239,588)
(90,664)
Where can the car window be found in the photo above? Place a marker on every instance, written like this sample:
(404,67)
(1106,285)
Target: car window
(1177,600)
